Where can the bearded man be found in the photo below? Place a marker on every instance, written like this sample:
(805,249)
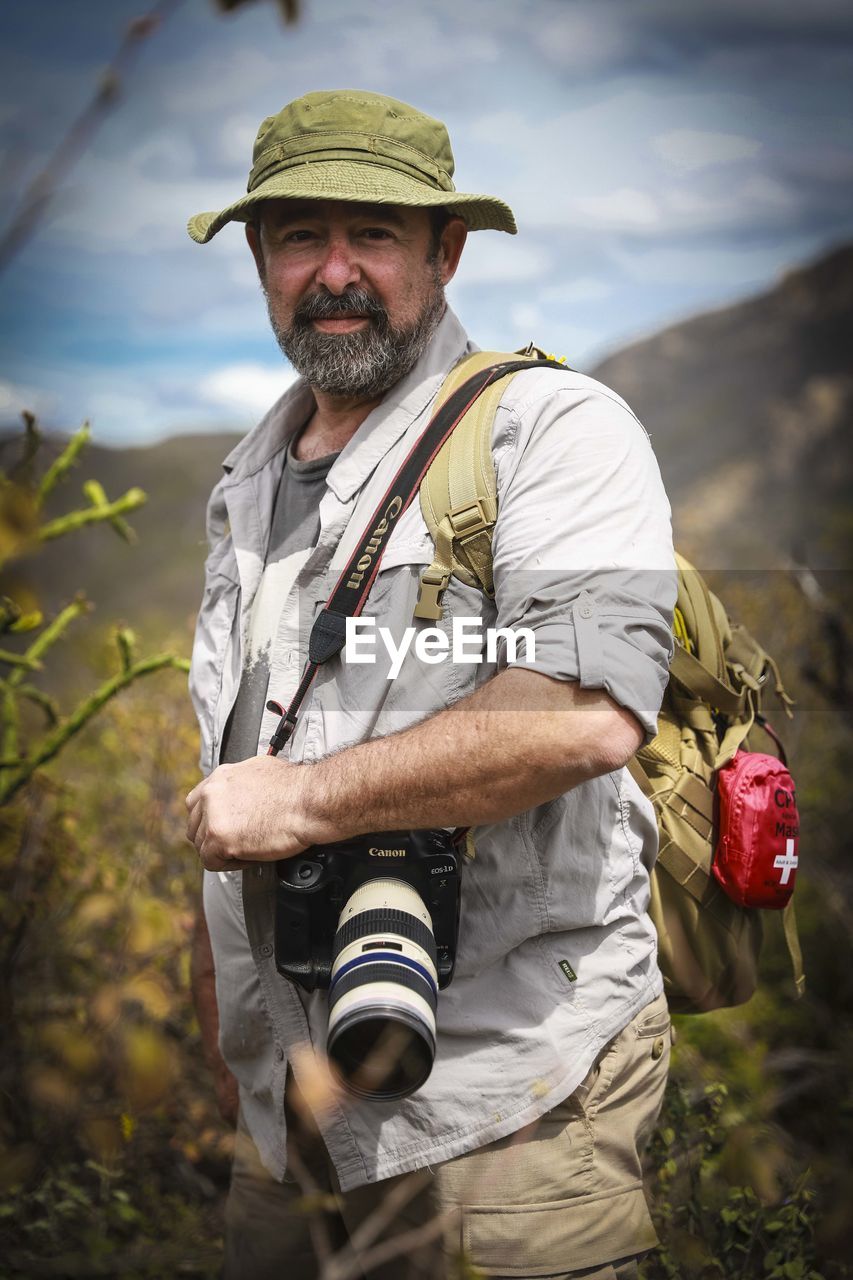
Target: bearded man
(553,1038)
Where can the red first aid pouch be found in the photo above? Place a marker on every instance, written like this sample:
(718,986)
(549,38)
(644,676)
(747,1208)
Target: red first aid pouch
(757,850)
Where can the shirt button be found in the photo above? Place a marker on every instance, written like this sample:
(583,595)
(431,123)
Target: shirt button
(585,611)
(279,1053)
(265,949)
(657,1048)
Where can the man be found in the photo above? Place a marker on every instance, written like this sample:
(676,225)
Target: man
(553,1037)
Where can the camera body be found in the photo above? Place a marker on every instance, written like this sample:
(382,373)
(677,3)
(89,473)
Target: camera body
(313,888)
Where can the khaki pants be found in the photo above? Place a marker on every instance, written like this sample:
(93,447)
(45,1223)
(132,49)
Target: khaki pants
(562,1198)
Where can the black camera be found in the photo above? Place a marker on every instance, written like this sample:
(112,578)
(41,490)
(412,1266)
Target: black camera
(375,920)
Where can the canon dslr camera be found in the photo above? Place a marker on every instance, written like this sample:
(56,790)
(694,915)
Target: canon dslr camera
(375,919)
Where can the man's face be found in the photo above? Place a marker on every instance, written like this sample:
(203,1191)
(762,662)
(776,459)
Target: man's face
(354,291)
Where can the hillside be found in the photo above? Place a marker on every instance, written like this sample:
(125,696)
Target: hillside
(750,410)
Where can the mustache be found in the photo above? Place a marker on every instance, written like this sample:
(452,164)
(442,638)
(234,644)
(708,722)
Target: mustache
(326,306)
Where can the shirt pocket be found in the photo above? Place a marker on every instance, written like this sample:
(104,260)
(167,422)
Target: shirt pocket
(389,678)
(402,562)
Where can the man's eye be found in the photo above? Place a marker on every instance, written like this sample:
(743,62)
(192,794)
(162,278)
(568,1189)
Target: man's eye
(299,236)
(377,233)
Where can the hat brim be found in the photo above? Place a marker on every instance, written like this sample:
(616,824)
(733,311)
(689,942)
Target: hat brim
(353,181)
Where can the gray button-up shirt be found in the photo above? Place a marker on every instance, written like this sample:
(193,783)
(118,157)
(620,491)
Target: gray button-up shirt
(556,951)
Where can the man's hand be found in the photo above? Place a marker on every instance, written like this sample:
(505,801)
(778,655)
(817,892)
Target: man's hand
(247,813)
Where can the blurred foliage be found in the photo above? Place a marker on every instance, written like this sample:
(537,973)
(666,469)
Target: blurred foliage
(95,893)
(710,1227)
(750,1169)
(112,1154)
(24,491)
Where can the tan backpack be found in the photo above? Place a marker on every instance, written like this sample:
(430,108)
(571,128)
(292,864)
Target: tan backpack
(708,945)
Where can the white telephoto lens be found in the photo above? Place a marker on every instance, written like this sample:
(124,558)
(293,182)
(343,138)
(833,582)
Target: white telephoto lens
(383,992)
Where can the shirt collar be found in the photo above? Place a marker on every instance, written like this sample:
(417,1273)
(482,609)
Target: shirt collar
(272,433)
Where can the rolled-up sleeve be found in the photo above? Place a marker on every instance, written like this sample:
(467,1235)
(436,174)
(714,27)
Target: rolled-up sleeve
(582,546)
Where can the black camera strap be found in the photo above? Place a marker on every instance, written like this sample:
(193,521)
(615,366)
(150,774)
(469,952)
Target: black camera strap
(328,635)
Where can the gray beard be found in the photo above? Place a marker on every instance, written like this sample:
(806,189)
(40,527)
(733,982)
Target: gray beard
(366,363)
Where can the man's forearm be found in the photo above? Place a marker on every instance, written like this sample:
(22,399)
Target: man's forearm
(520,740)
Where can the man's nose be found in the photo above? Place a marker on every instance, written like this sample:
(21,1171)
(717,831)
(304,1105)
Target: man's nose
(339,267)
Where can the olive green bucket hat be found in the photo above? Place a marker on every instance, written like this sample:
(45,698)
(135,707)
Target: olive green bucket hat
(350,145)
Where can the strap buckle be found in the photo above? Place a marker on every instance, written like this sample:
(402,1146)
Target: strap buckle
(433,586)
(469,520)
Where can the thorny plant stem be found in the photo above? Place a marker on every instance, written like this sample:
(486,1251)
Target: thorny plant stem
(317,1226)
(18,660)
(91,515)
(36,198)
(60,467)
(48,637)
(40,646)
(53,742)
(347,1265)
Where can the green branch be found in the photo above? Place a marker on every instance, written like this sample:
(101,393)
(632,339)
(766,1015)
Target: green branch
(49,705)
(94,491)
(13,618)
(10,721)
(53,742)
(39,647)
(18,660)
(49,636)
(91,515)
(125,639)
(63,464)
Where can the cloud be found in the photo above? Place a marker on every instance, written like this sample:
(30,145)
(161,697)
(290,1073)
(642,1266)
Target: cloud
(237,139)
(581,41)
(626,209)
(756,198)
(599,167)
(15,398)
(496,258)
(524,315)
(580,290)
(127,404)
(698,149)
(220,78)
(247,389)
(125,204)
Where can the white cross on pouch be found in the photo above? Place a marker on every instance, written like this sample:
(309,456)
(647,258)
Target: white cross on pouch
(787,862)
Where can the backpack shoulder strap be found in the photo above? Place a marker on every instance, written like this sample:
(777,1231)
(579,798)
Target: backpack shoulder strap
(458,494)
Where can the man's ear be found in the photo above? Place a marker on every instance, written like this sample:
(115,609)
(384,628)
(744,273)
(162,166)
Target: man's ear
(452,243)
(253,235)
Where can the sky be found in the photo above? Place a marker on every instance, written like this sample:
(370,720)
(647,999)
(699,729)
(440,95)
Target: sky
(662,158)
